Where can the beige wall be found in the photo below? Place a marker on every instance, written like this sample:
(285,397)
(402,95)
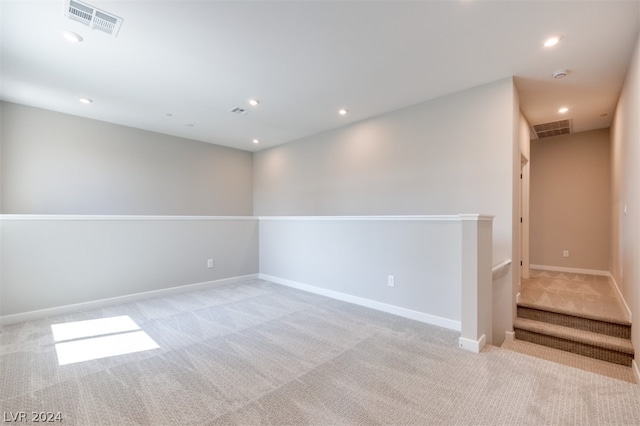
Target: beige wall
(569,204)
(625,137)
(55,163)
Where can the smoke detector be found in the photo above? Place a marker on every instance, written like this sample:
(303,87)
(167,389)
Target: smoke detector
(92,17)
(560,74)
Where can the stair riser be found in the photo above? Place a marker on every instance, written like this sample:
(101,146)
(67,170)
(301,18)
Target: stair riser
(575,347)
(595,326)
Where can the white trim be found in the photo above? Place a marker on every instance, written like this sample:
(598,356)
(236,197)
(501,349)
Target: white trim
(624,302)
(636,370)
(116,217)
(570,270)
(510,335)
(95,304)
(392,309)
(518,298)
(470,345)
(501,265)
(475,217)
(363,218)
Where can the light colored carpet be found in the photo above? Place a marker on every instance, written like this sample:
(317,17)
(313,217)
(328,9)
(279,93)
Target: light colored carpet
(597,366)
(256,352)
(588,296)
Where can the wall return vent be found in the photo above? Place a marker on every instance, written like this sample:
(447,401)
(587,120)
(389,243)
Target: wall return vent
(554,128)
(92,17)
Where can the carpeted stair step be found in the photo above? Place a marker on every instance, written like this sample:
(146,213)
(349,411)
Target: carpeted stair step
(595,345)
(570,359)
(608,326)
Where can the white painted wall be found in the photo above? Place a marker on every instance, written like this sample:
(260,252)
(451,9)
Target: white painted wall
(625,139)
(456,154)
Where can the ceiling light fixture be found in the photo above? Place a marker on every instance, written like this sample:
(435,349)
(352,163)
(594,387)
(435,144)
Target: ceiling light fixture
(86,101)
(343,111)
(563,110)
(254,102)
(256,141)
(72,37)
(552,41)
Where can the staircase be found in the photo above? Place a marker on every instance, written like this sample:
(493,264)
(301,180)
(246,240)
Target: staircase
(575,313)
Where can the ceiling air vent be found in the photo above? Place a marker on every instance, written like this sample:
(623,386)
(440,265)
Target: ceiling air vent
(238,110)
(554,128)
(92,17)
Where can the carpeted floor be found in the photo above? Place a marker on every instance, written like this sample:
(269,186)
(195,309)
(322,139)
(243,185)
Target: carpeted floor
(589,296)
(256,352)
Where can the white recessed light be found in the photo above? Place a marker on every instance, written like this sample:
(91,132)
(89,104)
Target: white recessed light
(552,41)
(563,110)
(343,111)
(256,141)
(254,102)
(72,37)
(86,101)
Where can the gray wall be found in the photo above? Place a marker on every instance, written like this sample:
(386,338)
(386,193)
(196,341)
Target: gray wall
(55,163)
(354,256)
(456,154)
(570,200)
(53,262)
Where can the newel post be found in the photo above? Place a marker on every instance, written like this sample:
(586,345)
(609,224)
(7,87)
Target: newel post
(477,298)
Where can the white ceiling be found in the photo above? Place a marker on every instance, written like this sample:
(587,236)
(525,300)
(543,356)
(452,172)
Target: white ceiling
(304,60)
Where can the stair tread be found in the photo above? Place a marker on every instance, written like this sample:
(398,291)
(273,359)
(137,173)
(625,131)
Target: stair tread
(570,359)
(581,336)
(558,310)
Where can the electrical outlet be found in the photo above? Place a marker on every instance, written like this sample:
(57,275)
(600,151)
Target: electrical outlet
(210,263)
(565,253)
(391,281)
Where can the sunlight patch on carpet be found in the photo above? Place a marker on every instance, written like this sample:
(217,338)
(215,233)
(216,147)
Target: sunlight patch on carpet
(80,341)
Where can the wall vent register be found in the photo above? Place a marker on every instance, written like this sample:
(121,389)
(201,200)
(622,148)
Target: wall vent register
(92,17)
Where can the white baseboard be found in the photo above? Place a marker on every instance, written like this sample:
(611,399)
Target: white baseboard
(470,345)
(570,270)
(509,335)
(392,309)
(624,302)
(636,371)
(96,304)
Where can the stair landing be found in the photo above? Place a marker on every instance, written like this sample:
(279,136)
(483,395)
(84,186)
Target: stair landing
(578,314)
(586,296)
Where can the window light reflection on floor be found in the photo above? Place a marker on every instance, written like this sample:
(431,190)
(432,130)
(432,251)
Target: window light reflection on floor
(99,338)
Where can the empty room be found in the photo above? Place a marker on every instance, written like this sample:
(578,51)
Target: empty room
(319,212)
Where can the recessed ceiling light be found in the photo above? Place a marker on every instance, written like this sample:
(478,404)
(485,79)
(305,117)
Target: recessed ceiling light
(189,124)
(72,37)
(254,102)
(552,41)
(343,111)
(563,110)
(256,141)
(86,100)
